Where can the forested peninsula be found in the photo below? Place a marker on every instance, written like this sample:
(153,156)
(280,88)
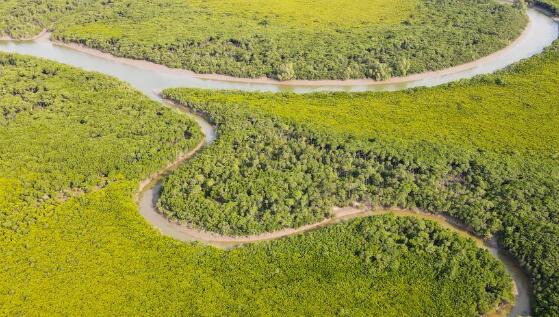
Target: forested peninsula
(284,160)
(372,39)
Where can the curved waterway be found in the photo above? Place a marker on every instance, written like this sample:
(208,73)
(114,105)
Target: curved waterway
(151,79)
(147,77)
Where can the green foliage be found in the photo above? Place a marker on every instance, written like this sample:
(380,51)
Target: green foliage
(520,5)
(64,132)
(550,5)
(483,150)
(97,257)
(29,17)
(285,72)
(336,39)
(379,71)
(73,146)
(403,67)
(513,112)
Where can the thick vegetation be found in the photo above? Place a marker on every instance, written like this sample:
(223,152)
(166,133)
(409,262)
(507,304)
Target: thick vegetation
(284,39)
(484,150)
(22,19)
(63,132)
(97,257)
(74,146)
(550,5)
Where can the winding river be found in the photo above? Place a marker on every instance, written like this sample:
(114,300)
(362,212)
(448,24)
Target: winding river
(150,79)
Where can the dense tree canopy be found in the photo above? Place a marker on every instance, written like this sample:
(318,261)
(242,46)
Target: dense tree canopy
(551,5)
(64,132)
(489,157)
(73,146)
(336,39)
